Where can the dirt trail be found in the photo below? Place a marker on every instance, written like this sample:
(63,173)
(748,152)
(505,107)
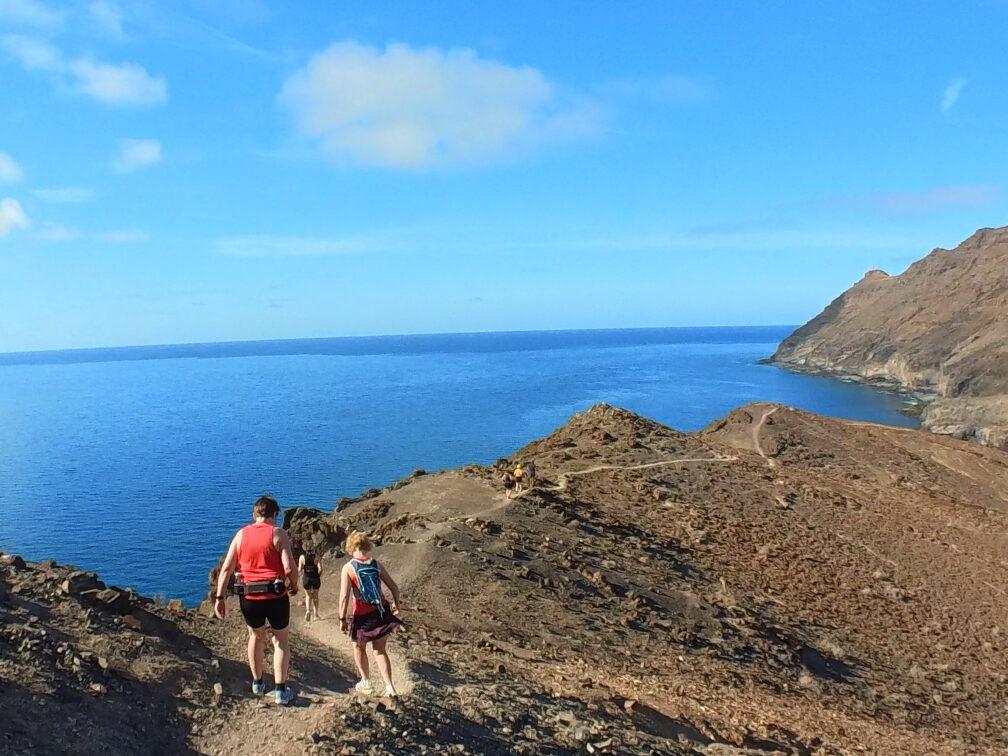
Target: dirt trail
(755,436)
(326,630)
(564,478)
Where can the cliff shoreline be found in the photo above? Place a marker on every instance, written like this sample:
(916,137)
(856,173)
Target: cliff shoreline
(937,333)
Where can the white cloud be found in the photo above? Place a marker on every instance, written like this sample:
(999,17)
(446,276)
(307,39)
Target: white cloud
(938,198)
(64,195)
(951,95)
(10,171)
(54,233)
(29,13)
(299,246)
(118,84)
(12,216)
(404,107)
(123,84)
(663,89)
(32,53)
(124,236)
(107,17)
(136,153)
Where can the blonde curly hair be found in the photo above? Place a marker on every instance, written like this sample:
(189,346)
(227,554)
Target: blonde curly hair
(358,541)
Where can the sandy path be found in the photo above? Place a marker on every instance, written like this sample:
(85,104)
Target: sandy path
(564,478)
(755,436)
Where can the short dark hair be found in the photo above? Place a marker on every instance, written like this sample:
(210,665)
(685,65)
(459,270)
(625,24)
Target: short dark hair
(266,507)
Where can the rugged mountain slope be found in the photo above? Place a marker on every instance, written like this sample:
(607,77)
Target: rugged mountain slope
(939,327)
(778,583)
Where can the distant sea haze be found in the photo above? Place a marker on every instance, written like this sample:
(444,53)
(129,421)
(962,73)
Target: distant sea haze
(140,462)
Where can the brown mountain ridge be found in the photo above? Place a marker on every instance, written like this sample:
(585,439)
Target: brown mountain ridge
(940,329)
(779,582)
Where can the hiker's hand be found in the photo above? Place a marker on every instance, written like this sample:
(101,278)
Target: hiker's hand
(293,590)
(343,626)
(220,608)
(396,610)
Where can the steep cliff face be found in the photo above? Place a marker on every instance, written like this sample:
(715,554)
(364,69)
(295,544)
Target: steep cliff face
(940,328)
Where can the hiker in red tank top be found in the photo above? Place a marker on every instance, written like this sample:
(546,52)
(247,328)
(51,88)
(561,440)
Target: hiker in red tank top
(258,559)
(268,577)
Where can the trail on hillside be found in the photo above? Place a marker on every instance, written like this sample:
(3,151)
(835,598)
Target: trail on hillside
(756,433)
(564,478)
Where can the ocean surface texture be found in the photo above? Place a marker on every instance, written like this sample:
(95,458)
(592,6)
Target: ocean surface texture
(140,463)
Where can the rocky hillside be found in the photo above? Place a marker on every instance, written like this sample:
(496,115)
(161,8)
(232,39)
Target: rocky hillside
(777,583)
(940,328)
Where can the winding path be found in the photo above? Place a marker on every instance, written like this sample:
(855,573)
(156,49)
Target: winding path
(755,436)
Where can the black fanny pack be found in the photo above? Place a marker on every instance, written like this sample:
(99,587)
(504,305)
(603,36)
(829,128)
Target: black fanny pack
(258,588)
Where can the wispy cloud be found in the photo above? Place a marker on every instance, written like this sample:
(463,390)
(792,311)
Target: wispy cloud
(938,198)
(951,95)
(406,107)
(124,236)
(134,154)
(32,53)
(916,202)
(10,171)
(64,195)
(667,89)
(29,13)
(12,216)
(54,233)
(116,84)
(300,246)
(107,16)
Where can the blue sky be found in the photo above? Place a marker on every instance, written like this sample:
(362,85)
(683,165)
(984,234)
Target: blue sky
(232,169)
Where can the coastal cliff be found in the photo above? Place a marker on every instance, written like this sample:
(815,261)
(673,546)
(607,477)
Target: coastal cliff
(939,330)
(779,582)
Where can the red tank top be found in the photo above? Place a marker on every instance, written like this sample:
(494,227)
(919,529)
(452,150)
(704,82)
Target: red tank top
(258,558)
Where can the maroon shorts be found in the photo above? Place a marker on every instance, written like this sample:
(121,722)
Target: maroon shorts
(367,627)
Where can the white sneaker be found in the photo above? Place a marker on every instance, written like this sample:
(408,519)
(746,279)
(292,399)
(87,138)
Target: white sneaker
(363,687)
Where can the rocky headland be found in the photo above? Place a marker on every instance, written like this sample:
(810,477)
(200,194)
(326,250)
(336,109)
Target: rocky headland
(779,582)
(938,330)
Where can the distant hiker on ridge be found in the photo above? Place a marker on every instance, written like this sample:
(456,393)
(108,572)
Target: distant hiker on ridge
(373,617)
(311,581)
(262,553)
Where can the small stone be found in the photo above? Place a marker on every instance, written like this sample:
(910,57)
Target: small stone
(98,689)
(103,662)
(218,689)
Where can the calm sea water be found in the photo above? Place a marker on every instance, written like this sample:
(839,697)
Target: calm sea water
(140,463)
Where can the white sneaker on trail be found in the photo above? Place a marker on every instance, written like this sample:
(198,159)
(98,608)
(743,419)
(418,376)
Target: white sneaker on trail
(363,687)
(258,688)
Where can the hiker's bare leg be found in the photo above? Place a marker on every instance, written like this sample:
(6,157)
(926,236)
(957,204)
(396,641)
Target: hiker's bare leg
(315,595)
(281,655)
(384,664)
(360,659)
(256,651)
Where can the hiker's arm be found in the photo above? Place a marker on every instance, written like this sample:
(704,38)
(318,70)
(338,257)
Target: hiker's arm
(301,564)
(287,556)
(344,597)
(387,579)
(224,576)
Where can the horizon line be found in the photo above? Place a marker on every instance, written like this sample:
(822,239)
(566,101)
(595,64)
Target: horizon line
(241,342)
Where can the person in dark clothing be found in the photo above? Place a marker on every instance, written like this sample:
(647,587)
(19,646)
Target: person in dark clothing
(311,581)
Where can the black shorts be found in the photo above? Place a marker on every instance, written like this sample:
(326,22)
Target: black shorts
(257,613)
(311,582)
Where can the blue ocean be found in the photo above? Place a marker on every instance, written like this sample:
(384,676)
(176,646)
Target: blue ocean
(140,462)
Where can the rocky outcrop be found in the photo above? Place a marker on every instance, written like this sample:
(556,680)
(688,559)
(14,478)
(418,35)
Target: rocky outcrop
(939,330)
(776,583)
